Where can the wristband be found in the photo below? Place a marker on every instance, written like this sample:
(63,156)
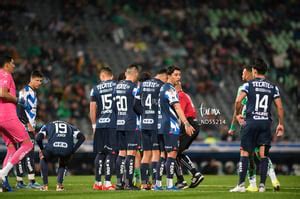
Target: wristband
(93,126)
(232,127)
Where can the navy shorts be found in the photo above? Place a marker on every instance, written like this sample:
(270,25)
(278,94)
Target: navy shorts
(171,142)
(63,160)
(128,140)
(105,140)
(161,142)
(149,140)
(255,134)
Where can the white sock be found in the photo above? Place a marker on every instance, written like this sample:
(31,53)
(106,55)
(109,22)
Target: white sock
(158,183)
(271,171)
(31,176)
(6,169)
(252,181)
(19,179)
(107,183)
(169,182)
(98,183)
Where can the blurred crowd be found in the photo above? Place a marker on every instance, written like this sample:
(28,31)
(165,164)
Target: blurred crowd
(207,38)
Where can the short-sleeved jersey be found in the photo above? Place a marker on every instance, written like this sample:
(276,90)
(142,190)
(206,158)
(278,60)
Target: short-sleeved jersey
(168,122)
(126,92)
(244,102)
(187,105)
(29,95)
(103,95)
(260,94)
(149,92)
(8,110)
(60,136)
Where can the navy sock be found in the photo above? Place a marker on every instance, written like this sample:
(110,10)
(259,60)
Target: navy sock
(129,167)
(243,167)
(44,171)
(60,175)
(109,166)
(263,170)
(160,168)
(120,168)
(145,172)
(170,167)
(154,170)
(252,166)
(99,162)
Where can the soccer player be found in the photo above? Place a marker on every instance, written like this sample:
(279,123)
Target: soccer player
(247,76)
(103,118)
(185,141)
(127,133)
(169,125)
(27,117)
(149,92)
(256,127)
(12,130)
(60,145)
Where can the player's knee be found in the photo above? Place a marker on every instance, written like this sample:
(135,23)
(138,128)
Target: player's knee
(172,154)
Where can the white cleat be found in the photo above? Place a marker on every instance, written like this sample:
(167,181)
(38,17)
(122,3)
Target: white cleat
(261,188)
(238,188)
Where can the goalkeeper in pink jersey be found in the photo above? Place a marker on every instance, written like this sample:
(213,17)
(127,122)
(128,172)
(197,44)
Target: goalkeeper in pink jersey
(11,129)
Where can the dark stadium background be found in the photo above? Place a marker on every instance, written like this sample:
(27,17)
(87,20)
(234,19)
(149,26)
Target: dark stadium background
(70,40)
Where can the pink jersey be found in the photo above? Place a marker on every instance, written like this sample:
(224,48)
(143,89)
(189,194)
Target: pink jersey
(8,110)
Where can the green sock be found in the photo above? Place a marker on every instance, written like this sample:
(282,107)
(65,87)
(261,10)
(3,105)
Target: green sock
(137,175)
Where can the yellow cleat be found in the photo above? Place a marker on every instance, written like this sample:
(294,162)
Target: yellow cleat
(276,185)
(252,188)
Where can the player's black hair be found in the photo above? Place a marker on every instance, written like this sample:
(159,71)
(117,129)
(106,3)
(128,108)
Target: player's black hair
(121,76)
(247,67)
(161,71)
(133,66)
(144,76)
(171,69)
(106,69)
(5,59)
(36,73)
(260,65)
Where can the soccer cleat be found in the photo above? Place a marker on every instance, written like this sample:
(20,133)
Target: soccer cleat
(108,188)
(21,185)
(120,186)
(97,187)
(158,188)
(238,188)
(60,188)
(44,188)
(181,185)
(5,186)
(196,180)
(33,185)
(131,188)
(261,188)
(251,188)
(276,185)
(173,188)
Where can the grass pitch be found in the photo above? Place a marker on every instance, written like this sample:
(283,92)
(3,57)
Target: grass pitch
(212,187)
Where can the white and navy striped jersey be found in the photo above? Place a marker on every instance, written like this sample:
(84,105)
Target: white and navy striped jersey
(29,114)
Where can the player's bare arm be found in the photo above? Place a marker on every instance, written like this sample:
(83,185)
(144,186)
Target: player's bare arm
(188,127)
(4,93)
(280,112)
(93,109)
(238,107)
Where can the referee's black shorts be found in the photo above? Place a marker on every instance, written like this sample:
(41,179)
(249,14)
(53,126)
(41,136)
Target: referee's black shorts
(184,140)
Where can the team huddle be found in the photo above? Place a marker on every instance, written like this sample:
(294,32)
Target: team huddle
(143,116)
(140,123)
